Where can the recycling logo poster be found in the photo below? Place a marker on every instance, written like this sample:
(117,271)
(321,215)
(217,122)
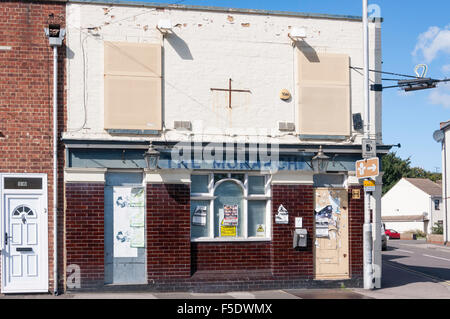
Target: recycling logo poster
(129,221)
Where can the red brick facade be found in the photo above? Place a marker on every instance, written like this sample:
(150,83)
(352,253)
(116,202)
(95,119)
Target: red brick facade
(298,200)
(174,261)
(85,231)
(26,86)
(356,222)
(168,231)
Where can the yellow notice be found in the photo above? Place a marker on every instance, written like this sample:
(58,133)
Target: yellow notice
(228,231)
(369,183)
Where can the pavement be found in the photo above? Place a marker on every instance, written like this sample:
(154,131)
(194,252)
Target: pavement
(237,295)
(411,270)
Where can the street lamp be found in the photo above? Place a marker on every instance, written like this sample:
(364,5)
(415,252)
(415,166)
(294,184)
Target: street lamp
(152,157)
(320,161)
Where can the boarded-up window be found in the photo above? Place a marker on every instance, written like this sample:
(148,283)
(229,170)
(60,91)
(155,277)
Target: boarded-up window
(132,86)
(324,94)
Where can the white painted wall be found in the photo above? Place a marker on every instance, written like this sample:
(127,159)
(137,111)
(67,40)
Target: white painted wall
(405,199)
(206,49)
(446,182)
(437,214)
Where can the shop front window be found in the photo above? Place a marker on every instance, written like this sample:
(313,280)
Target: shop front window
(230,206)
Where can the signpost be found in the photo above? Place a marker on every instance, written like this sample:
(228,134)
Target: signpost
(369,148)
(368,167)
(369,185)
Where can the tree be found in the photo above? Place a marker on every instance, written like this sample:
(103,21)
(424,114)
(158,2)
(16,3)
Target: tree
(395,168)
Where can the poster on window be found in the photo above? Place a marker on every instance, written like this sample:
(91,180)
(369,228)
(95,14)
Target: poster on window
(260,230)
(228,231)
(199,216)
(230,215)
(129,220)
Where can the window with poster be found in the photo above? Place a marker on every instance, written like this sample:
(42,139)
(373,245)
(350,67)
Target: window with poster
(230,207)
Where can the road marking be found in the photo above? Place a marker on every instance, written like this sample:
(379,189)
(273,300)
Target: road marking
(405,251)
(434,279)
(446,259)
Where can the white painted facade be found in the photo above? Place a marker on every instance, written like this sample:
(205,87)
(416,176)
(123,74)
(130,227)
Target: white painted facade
(446,179)
(206,49)
(405,199)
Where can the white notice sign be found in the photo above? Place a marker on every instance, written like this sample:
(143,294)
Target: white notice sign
(283,216)
(129,220)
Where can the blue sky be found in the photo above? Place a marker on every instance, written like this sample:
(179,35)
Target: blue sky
(414,32)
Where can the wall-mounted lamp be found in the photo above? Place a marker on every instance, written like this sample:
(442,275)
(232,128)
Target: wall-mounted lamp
(297,34)
(319,163)
(152,157)
(164,26)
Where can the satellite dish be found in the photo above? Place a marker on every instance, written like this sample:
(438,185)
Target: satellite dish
(438,136)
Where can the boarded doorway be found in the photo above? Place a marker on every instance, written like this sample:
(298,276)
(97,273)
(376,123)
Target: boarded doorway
(331,234)
(125,244)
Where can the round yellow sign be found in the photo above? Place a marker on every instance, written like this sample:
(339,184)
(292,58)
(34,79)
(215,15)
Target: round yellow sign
(285,94)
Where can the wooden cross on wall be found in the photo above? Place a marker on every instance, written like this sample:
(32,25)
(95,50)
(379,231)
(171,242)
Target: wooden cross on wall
(230,90)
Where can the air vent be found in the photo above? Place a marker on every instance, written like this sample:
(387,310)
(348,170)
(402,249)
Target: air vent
(286,126)
(182,125)
(357,122)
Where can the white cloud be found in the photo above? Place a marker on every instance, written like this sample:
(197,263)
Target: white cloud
(440,96)
(432,42)
(446,69)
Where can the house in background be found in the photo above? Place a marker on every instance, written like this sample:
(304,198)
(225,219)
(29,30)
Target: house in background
(443,136)
(412,204)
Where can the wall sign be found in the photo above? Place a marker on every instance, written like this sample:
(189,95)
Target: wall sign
(283,216)
(23,183)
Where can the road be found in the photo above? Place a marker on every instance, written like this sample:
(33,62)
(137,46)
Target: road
(414,269)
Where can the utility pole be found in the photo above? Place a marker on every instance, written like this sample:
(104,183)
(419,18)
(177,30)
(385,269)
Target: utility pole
(367,230)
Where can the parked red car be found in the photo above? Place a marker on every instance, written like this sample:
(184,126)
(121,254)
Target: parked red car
(392,234)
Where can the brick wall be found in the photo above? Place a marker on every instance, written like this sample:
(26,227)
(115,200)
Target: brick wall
(26,84)
(230,256)
(356,222)
(171,257)
(85,231)
(298,200)
(168,231)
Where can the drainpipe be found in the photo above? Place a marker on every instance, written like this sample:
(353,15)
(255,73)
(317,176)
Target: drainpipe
(55,35)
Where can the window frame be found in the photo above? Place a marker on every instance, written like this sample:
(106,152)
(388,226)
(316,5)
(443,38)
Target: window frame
(437,204)
(246,198)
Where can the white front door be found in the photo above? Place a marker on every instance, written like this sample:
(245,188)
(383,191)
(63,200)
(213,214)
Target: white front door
(24,255)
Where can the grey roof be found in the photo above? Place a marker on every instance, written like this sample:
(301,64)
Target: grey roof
(224,9)
(426,185)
